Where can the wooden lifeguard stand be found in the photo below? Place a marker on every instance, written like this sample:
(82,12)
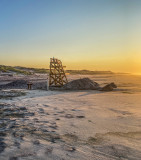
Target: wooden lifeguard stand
(57,75)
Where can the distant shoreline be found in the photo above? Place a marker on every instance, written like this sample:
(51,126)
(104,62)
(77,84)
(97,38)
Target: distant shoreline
(30,71)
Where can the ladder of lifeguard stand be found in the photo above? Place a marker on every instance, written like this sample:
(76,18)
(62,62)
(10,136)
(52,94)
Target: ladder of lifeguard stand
(57,76)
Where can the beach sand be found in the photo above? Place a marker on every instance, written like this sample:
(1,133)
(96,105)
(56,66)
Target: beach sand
(74,125)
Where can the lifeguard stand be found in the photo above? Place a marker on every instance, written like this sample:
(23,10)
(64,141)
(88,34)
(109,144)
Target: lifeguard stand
(57,76)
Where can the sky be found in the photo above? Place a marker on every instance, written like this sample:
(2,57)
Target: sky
(84,34)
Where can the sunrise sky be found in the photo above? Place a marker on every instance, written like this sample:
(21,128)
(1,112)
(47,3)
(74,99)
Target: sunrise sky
(84,34)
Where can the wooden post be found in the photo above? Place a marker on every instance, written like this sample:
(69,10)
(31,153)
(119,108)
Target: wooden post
(47,84)
(29,85)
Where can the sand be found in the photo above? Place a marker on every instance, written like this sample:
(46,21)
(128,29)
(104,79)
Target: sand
(80,125)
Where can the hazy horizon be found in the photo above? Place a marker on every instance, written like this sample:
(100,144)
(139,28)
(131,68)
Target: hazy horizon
(84,34)
(66,68)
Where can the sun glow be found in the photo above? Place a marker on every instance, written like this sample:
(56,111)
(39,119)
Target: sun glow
(94,35)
